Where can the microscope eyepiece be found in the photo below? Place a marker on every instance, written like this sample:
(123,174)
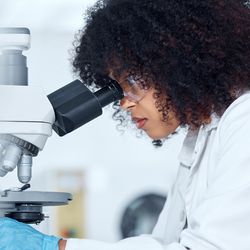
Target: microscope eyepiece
(110,93)
(74,104)
(13,66)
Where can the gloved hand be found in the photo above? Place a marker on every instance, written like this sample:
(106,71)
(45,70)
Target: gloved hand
(15,235)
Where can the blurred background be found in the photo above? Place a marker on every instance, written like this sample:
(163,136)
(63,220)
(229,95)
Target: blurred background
(119,182)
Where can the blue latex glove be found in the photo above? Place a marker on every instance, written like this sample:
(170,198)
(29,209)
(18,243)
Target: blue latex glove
(19,236)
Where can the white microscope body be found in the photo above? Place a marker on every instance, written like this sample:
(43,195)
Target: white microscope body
(26,115)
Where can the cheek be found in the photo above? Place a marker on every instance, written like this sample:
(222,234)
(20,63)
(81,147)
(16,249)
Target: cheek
(153,112)
(157,128)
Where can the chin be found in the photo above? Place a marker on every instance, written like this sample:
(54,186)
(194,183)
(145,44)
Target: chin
(159,133)
(156,136)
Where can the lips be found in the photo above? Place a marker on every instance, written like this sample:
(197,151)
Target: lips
(139,122)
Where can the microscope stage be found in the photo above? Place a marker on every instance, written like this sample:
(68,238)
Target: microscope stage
(26,206)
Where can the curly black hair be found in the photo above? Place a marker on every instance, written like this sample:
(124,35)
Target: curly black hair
(196,53)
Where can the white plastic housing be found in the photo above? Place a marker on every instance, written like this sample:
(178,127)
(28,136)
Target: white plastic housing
(26,112)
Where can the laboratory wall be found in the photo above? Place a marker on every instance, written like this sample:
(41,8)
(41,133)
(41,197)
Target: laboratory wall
(104,168)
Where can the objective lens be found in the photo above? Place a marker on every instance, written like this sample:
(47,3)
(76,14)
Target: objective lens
(24,168)
(11,157)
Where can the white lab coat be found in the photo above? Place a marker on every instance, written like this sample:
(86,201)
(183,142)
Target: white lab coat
(211,193)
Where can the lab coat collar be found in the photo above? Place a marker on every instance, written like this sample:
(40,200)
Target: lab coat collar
(189,151)
(213,124)
(186,155)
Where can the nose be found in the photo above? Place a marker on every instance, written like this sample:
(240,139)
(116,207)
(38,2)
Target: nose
(126,104)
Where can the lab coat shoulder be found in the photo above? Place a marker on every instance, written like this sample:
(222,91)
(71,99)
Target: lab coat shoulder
(221,219)
(235,120)
(230,156)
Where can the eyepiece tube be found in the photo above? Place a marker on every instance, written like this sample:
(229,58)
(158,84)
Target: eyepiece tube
(13,65)
(109,94)
(74,104)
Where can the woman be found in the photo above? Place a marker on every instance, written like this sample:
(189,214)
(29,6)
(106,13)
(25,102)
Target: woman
(180,63)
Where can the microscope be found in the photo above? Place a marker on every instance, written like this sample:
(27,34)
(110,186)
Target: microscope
(27,119)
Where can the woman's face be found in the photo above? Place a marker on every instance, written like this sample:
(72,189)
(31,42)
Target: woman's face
(145,114)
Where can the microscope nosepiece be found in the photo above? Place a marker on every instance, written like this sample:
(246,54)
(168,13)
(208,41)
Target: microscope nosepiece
(15,152)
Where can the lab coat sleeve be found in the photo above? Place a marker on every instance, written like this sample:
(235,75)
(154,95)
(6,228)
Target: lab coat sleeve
(134,243)
(222,219)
